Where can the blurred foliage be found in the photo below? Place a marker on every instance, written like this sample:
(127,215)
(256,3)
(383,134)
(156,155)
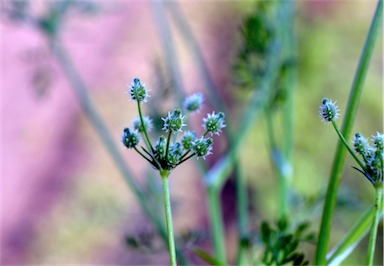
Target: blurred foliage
(281,244)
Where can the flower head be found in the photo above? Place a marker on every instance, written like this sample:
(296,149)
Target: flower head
(161,148)
(378,140)
(130,138)
(193,103)
(174,155)
(187,140)
(174,122)
(213,123)
(329,111)
(202,147)
(139,127)
(361,145)
(138,91)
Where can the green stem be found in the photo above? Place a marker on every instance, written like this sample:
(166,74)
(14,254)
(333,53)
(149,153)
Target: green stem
(351,239)
(142,155)
(333,185)
(375,223)
(184,159)
(347,145)
(168,216)
(217,223)
(143,125)
(168,142)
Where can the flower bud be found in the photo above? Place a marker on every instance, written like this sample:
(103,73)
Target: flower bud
(174,155)
(174,122)
(361,145)
(130,138)
(202,147)
(378,141)
(213,123)
(161,148)
(193,103)
(329,111)
(147,123)
(138,91)
(188,139)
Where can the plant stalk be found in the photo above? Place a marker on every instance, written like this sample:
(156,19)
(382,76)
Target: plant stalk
(375,223)
(168,217)
(333,185)
(217,223)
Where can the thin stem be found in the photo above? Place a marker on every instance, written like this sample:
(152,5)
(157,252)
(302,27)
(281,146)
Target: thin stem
(143,125)
(189,157)
(168,216)
(347,145)
(142,155)
(333,185)
(185,154)
(375,224)
(168,141)
(217,223)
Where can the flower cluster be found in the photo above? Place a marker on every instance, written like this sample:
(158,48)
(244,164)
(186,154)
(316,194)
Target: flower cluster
(329,111)
(372,156)
(168,152)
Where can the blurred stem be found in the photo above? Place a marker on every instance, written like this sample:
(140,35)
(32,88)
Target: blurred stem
(214,95)
(168,216)
(375,223)
(242,214)
(169,48)
(81,92)
(351,239)
(217,223)
(333,185)
(221,169)
(279,161)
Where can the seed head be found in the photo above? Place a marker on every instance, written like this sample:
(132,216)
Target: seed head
(329,111)
(202,147)
(213,123)
(193,103)
(174,121)
(138,91)
(139,127)
(130,138)
(188,139)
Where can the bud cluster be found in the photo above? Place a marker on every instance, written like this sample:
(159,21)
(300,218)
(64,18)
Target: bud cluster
(167,154)
(372,155)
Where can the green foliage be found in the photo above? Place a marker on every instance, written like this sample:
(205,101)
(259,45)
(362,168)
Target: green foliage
(281,244)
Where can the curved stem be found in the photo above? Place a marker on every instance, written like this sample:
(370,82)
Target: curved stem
(347,145)
(354,97)
(168,217)
(375,223)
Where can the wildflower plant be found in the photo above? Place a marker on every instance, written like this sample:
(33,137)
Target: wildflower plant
(371,165)
(168,152)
